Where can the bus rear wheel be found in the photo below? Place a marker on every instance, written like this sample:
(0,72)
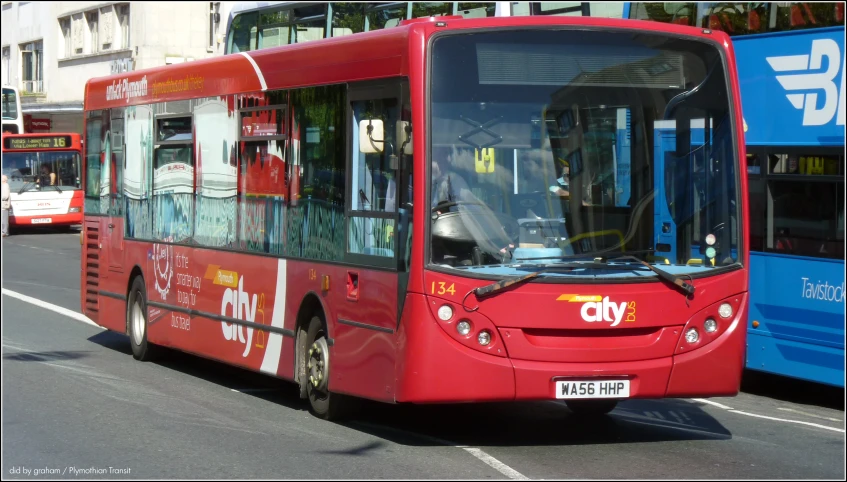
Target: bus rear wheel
(591,407)
(136,318)
(325,405)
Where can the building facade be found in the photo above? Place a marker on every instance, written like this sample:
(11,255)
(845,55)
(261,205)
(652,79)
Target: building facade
(51,49)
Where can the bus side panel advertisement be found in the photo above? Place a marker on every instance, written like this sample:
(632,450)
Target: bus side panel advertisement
(797,325)
(804,81)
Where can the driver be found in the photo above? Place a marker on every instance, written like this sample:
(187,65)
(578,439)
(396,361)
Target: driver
(447,184)
(562,188)
(480,223)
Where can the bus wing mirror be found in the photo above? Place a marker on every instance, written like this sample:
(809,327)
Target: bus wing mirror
(404,137)
(371,136)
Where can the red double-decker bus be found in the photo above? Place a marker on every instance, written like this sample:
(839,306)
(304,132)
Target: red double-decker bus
(451,210)
(43,172)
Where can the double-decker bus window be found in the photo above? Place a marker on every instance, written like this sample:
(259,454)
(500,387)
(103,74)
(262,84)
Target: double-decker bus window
(803,218)
(274,28)
(428,9)
(800,201)
(138,170)
(476,10)
(804,15)
(242,35)
(667,12)
(386,17)
(743,18)
(216,128)
(347,18)
(736,18)
(309,23)
(173,180)
(758,208)
(569,9)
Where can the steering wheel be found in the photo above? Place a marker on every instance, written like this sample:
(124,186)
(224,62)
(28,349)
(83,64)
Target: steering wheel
(507,223)
(449,204)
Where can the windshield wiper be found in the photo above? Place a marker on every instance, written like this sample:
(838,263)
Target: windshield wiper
(598,263)
(686,288)
(503,284)
(26,186)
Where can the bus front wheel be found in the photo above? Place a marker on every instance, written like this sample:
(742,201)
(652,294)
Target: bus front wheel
(136,314)
(325,405)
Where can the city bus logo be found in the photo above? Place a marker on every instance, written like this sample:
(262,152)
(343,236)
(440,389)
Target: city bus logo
(600,308)
(807,81)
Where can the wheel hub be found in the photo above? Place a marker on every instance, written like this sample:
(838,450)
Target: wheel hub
(138,324)
(318,365)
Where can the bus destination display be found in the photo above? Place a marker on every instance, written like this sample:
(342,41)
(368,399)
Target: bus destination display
(40,142)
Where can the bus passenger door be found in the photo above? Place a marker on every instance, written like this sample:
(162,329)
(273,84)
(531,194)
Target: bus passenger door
(376,237)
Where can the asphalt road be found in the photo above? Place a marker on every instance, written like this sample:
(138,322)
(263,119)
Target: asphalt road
(77,405)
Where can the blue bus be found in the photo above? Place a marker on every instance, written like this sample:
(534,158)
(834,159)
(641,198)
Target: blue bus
(790,61)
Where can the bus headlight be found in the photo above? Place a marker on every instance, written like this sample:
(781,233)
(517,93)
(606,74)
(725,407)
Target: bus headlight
(484,337)
(73,210)
(445,313)
(710,325)
(725,310)
(463,327)
(691,336)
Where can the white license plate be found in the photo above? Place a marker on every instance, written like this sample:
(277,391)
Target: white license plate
(570,389)
(42,221)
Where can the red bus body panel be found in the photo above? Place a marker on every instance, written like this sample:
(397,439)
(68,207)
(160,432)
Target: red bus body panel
(538,335)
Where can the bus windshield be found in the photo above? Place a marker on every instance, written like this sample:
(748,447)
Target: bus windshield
(556,144)
(52,170)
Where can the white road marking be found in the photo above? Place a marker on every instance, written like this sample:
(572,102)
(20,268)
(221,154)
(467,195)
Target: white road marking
(36,247)
(478,453)
(51,307)
(40,285)
(809,414)
(253,390)
(703,400)
(732,410)
(496,464)
(789,421)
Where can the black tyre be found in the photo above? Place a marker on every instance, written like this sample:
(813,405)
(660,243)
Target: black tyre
(325,405)
(136,320)
(591,407)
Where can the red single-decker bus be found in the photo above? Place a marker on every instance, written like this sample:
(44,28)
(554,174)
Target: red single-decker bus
(43,171)
(451,210)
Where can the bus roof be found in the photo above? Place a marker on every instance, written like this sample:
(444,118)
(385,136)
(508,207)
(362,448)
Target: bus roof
(361,56)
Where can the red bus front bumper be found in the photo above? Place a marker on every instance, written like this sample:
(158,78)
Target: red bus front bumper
(436,368)
(54,220)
